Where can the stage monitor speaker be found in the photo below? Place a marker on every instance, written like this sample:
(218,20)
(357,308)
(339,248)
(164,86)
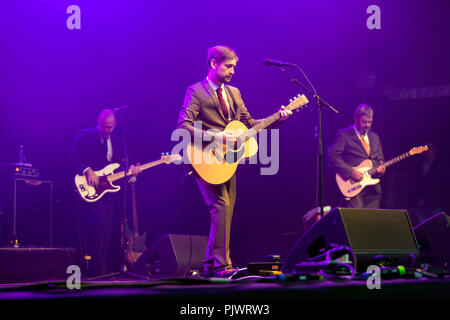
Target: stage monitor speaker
(433,237)
(370,233)
(19,265)
(172,256)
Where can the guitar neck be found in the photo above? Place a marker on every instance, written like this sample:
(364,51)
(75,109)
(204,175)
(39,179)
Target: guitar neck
(121,174)
(294,104)
(392,161)
(261,125)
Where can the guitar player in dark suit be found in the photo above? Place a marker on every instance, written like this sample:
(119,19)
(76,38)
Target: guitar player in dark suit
(353,145)
(215,103)
(93,149)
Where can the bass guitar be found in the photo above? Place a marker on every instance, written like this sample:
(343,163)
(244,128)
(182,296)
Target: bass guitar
(136,243)
(107,177)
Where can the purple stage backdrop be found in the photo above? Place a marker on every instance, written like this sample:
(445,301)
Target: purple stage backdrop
(60,65)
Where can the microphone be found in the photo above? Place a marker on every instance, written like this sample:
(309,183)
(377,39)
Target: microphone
(271,62)
(120,108)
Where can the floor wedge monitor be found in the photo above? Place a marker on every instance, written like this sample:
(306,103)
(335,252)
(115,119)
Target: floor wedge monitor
(371,234)
(433,237)
(172,256)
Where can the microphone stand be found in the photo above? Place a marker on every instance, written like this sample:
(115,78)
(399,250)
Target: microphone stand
(124,271)
(320,103)
(126,164)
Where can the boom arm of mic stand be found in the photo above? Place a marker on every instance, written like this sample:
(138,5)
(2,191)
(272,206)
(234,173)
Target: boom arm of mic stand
(319,99)
(325,103)
(320,102)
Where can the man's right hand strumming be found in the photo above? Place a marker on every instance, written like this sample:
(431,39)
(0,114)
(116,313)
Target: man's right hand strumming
(225,137)
(356,175)
(91,177)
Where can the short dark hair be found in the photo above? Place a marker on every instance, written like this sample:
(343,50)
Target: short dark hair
(363,110)
(220,54)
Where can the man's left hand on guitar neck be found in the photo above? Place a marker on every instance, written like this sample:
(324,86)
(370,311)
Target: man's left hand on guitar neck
(381,169)
(135,171)
(284,114)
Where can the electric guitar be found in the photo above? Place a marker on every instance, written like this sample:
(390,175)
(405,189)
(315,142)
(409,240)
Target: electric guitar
(135,242)
(351,188)
(107,177)
(217,162)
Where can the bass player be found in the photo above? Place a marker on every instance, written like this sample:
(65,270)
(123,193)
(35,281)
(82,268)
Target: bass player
(93,149)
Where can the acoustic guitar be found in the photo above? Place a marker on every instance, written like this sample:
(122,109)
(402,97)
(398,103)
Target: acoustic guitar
(217,162)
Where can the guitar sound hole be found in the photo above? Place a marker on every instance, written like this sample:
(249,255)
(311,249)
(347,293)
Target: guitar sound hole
(233,157)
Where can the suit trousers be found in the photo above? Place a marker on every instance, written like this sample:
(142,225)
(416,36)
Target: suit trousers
(369,197)
(97,220)
(220,200)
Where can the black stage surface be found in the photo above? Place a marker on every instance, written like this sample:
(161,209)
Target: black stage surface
(236,298)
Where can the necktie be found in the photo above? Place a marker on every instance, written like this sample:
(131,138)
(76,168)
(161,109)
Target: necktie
(107,141)
(223,104)
(365,144)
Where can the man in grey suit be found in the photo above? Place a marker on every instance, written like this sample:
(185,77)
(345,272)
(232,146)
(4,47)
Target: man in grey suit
(215,104)
(354,145)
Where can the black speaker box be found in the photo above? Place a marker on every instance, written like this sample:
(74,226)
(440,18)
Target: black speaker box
(433,237)
(172,256)
(19,265)
(26,211)
(370,233)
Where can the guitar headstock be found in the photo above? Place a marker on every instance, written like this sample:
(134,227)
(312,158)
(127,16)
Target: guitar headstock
(169,158)
(418,150)
(297,102)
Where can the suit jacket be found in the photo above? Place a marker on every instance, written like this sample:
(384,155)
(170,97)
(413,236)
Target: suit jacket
(201,104)
(89,150)
(348,151)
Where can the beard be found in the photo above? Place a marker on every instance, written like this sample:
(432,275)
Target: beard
(226,79)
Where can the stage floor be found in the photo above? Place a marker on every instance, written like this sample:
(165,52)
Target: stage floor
(264,297)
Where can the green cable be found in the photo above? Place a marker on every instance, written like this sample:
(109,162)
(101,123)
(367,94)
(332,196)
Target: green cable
(401,270)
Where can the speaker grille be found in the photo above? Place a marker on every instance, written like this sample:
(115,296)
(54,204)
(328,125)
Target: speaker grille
(372,234)
(375,230)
